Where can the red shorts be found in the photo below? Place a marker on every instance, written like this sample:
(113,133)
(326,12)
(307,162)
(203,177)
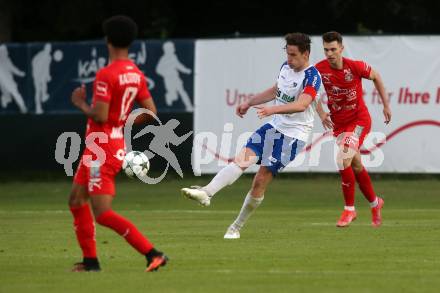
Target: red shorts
(353,133)
(98,179)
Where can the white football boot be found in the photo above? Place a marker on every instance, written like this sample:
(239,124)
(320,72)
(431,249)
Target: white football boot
(198,194)
(232,233)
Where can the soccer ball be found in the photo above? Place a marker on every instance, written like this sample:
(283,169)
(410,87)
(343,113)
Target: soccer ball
(136,164)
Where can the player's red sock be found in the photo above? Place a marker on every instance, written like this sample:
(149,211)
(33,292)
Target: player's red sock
(348,181)
(365,185)
(85,230)
(126,229)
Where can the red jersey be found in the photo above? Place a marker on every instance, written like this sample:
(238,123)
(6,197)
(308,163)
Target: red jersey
(344,89)
(119,84)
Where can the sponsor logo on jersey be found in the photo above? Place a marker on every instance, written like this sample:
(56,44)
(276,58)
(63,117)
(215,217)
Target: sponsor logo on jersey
(120,154)
(315,79)
(326,77)
(337,91)
(95,169)
(272,159)
(283,97)
(336,107)
(348,76)
(358,131)
(101,88)
(350,107)
(95,175)
(94,183)
(311,74)
(117,132)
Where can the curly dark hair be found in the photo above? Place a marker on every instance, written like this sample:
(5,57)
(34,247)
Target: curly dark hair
(120,31)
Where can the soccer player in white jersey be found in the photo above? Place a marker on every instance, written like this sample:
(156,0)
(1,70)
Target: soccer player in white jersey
(275,144)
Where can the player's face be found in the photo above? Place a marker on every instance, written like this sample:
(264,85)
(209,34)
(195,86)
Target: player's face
(295,59)
(333,52)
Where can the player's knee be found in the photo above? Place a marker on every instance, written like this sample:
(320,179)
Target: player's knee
(246,158)
(344,159)
(76,199)
(357,168)
(98,210)
(244,162)
(347,163)
(243,165)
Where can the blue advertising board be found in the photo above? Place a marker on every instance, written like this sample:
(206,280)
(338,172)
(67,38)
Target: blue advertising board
(38,78)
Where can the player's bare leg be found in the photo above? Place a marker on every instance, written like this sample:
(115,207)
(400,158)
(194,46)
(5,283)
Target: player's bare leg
(253,199)
(364,181)
(224,177)
(78,195)
(344,160)
(84,228)
(105,216)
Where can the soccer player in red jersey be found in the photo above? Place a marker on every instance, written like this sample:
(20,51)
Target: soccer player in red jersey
(115,88)
(350,120)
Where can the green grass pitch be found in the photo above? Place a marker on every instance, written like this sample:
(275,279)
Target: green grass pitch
(290,244)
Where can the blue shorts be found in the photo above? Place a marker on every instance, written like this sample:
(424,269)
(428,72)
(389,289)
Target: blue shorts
(274,150)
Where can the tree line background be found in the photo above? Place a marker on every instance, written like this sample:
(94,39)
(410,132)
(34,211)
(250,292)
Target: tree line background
(26,21)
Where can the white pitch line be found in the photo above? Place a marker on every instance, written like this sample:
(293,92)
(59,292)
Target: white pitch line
(208,211)
(299,272)
(123,211)
(429,223)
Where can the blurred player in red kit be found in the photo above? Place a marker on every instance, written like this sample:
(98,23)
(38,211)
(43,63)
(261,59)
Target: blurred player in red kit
(115,89)
(350,120)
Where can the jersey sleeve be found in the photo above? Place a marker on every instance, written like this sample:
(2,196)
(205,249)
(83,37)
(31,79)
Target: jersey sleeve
(312,82)
(144,93)
(363,68)
(102,87)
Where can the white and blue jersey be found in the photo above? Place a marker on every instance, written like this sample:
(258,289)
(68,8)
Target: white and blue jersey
(290,85)
(278,142)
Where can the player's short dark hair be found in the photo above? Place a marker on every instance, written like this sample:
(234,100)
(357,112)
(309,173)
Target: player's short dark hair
(332,36)
(120,31)
(302,41)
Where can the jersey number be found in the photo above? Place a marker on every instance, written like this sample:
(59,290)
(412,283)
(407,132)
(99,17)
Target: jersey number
(127,99)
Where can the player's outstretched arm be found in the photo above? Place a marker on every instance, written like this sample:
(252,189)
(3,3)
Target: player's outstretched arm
(378,84)
(263,97)
(300,105)
(99,112)
(258,99)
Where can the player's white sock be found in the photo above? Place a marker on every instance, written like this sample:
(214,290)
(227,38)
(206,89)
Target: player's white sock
(374,203)
(249,205)
(224,177)
(349,208)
